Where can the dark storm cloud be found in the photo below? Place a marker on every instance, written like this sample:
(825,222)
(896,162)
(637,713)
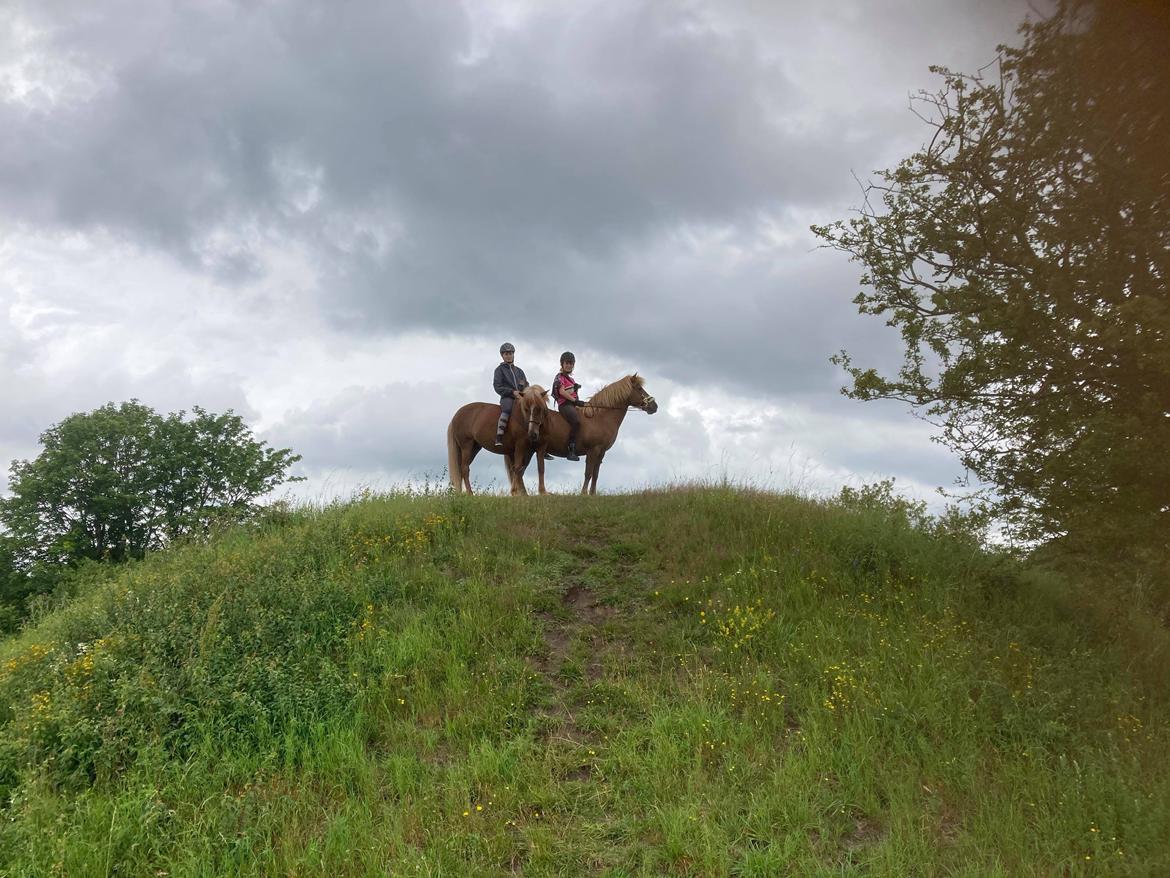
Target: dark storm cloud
(599,174)
(195,105)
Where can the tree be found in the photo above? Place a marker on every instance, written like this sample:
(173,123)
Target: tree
(1023,254)
(12,589)
(117,482)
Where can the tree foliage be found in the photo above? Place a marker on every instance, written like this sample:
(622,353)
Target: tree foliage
(117,482)
(1023,254)
(13,590)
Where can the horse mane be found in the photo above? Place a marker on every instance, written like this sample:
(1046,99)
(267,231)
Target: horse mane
(616,393)
(533,394)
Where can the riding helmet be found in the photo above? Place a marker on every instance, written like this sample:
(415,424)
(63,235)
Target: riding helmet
(567,357)
(507,348)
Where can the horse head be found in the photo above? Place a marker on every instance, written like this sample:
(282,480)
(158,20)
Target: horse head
(639,398)
(624,393)
(534,410)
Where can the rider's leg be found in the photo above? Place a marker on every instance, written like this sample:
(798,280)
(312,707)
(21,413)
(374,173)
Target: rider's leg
(505,412)
(574,418)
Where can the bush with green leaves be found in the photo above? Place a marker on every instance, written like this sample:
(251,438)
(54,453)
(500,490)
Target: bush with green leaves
(238,642)
(122,480)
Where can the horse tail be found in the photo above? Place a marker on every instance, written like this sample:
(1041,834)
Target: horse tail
(454,459)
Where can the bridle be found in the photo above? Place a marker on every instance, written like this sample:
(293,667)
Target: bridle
(535,417)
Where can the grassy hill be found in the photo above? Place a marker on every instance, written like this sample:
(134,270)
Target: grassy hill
(696,682)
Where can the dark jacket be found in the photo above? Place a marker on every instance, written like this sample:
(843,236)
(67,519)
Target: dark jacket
(508,378)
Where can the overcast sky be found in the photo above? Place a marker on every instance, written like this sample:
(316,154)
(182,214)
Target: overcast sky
(329,215)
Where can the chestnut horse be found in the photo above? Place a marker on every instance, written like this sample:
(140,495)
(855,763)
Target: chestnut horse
(601,418)
(474,427)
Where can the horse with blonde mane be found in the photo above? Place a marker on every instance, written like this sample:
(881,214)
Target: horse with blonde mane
(602,418)
(474,427)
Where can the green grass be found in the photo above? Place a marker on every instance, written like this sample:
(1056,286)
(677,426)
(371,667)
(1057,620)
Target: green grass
(694,682)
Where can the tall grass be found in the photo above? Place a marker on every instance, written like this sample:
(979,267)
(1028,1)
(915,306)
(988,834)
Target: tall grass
(691,682)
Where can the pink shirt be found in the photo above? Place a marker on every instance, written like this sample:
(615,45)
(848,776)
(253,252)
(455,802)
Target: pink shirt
(563,388)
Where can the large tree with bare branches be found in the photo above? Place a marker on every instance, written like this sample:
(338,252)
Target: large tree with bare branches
(1023,254)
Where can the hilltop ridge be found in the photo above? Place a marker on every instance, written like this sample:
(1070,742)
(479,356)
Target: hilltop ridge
(694,682)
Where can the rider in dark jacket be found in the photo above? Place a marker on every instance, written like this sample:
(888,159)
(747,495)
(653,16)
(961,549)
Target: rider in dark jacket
(509,381)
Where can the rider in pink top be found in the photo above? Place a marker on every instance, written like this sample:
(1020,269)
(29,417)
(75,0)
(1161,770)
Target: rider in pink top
(564,392)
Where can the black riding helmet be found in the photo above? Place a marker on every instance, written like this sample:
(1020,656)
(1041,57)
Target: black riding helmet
(507,348)
(567,357)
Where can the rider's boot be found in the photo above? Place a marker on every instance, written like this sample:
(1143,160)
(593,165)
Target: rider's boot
(572,455)
(500,426)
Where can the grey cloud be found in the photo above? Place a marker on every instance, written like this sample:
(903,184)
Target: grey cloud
(397,427)
(33,400)
(767,329)
(579,135)
(602,177)
(630,120)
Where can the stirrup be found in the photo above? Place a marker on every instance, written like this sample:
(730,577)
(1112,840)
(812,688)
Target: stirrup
(499,441)
(572,453)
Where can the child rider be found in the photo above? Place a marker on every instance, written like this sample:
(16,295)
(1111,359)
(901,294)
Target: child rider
(508,381)
(564,391)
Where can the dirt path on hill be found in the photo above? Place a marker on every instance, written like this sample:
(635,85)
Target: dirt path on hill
(578,642)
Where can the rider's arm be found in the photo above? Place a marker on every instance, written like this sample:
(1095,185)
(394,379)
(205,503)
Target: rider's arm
(500,385)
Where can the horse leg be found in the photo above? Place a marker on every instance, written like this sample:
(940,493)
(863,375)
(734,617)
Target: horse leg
(510,469)
(596,470)
(590,459)
(540,467)
(524,451)
(454,460)
(518,468)
(468,455)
